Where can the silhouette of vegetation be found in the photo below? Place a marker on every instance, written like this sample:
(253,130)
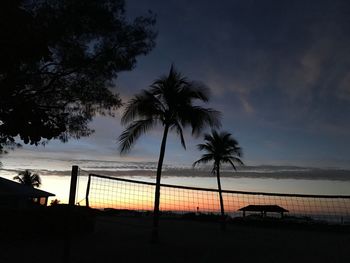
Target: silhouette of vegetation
(28,178)
(220,148)
(55,202)
(168,102)
(58,61)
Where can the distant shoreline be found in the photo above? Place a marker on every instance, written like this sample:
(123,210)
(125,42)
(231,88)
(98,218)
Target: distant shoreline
(312,174)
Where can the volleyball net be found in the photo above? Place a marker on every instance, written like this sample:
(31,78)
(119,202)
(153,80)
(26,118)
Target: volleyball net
(104,192)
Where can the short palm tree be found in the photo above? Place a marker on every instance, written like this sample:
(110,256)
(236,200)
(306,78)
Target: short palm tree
(28,178)
(169,102)
(220,148)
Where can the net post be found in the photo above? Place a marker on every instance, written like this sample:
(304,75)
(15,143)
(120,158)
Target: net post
(73,185)
(88,191)
(69,216)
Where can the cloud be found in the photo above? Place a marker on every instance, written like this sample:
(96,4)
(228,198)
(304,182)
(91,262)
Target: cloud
(246,105)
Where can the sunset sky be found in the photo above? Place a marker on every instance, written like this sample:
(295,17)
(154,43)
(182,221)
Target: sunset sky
(279,71)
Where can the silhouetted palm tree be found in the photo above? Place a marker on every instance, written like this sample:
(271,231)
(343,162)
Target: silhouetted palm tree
(27,178)
(168,102)
(220,148)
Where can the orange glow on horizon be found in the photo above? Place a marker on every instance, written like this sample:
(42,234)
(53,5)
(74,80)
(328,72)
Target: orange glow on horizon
(128,196)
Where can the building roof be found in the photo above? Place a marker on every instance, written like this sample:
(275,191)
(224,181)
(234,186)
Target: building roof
(10,188)
(263,208)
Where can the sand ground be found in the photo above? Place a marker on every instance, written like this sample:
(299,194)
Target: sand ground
(127,239)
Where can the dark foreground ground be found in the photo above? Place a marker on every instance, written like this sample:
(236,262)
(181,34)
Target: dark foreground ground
(127,239)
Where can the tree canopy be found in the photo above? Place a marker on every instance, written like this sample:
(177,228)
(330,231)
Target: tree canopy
(28,178)
(221,148)
(58,61)
(171,102)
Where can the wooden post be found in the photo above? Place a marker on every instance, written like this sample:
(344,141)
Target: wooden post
(88,191)
(73,185)
(68,220)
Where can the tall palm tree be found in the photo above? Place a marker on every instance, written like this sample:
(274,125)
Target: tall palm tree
(220,148)
(169,102)
(28,178)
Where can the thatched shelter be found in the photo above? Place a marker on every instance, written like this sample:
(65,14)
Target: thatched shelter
(263,209)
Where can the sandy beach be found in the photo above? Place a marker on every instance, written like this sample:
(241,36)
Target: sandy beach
(127,239)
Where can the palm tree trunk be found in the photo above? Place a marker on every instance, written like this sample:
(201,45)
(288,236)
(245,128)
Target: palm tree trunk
(157,192)
(223,225)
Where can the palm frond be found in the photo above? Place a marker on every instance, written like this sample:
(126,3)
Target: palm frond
(178,128)
(204,159)
(197,90)
(133,132)
(236,151)
(167,84)
(18,178)
(199,118)
(206,147)
(237,160)
(36,180)
(142,105)
(228,160)
(232,160)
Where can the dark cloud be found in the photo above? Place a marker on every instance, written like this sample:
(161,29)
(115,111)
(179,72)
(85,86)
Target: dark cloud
(279,71)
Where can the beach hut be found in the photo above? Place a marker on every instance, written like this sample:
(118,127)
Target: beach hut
(16,195)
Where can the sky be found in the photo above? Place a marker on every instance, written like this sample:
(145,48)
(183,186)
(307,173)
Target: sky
(279,71)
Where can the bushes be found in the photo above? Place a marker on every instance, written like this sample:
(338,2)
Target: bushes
(53,220)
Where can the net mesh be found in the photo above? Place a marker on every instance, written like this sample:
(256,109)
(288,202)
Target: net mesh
(123,194)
